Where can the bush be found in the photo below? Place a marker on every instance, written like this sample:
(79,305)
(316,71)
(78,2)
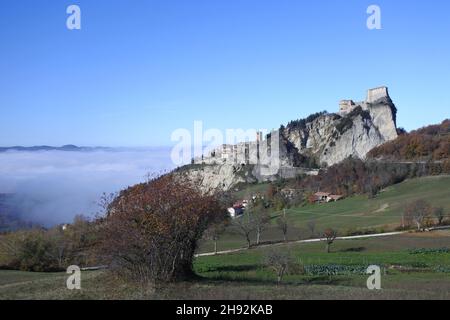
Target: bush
(151,230)
(28,251)
(43,250)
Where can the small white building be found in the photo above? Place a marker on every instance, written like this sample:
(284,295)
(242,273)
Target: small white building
(235,212)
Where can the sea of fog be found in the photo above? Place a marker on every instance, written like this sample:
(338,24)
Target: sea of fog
(51,187)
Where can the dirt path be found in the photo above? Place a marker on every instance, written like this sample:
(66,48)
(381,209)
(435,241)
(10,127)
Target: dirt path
(378,235)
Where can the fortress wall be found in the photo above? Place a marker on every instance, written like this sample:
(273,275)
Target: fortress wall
(376,94)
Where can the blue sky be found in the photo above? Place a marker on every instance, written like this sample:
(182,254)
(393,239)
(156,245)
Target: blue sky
(138,70)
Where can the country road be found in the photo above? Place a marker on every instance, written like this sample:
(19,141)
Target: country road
(302,241)
(376,235)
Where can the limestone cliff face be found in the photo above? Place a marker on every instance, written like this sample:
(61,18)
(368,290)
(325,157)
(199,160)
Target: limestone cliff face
(211,178)
(332,137)
(322,140)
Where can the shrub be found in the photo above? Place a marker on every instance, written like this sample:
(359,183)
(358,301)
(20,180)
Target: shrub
(151,230)
(28,251)
(43,250)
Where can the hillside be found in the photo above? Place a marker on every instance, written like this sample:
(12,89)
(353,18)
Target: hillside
(352,215)
(425,144)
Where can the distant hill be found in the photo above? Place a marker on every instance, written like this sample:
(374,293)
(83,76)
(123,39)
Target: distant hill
(431,143)
(68,147)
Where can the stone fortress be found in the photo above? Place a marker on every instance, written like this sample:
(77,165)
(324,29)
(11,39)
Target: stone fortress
(245,153)
(327,139)
(373,96)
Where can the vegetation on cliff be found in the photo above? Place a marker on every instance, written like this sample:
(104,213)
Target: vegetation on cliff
(428,143)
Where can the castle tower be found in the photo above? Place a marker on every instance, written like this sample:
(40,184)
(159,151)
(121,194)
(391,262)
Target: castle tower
(376,94)
(346,106)
(259,136)
(259,140)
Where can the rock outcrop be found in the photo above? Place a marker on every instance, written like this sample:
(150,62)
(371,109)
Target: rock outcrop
(303,145)
(354,131)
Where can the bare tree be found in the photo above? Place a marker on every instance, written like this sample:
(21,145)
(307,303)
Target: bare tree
(283,225)
(417,212)
(60,246)
(260,217)
(215,231)
(329,235)
(104,204)
(244,226)
(439,215)
(279,262)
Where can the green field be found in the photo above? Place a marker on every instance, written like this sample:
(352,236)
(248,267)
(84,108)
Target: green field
(357,213)
(243,275)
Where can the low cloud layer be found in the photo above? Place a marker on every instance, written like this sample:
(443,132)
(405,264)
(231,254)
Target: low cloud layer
(51,187)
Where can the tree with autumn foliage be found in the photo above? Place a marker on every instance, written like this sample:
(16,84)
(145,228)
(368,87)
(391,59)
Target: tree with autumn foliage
(151,230)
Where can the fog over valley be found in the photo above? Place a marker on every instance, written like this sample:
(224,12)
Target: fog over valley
(51,187)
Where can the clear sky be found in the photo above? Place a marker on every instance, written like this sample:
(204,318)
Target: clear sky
(138,70)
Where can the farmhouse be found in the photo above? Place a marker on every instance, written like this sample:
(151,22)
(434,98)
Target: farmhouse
(327,197)
(334,198)
(237,209)
(321,196)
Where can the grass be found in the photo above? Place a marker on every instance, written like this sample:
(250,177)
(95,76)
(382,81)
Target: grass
(414,275)
(381,214)
(384,210)
(394,250)
(243,276)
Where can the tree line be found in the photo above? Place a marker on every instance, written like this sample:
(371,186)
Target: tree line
(431,143)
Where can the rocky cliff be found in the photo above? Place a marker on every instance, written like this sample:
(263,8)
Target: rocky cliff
(303,145)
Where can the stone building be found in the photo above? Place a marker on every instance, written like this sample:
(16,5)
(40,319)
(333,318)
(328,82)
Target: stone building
(373,95)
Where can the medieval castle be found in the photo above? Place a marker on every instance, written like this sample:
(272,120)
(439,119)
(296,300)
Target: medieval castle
(373,95)
(245,153)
